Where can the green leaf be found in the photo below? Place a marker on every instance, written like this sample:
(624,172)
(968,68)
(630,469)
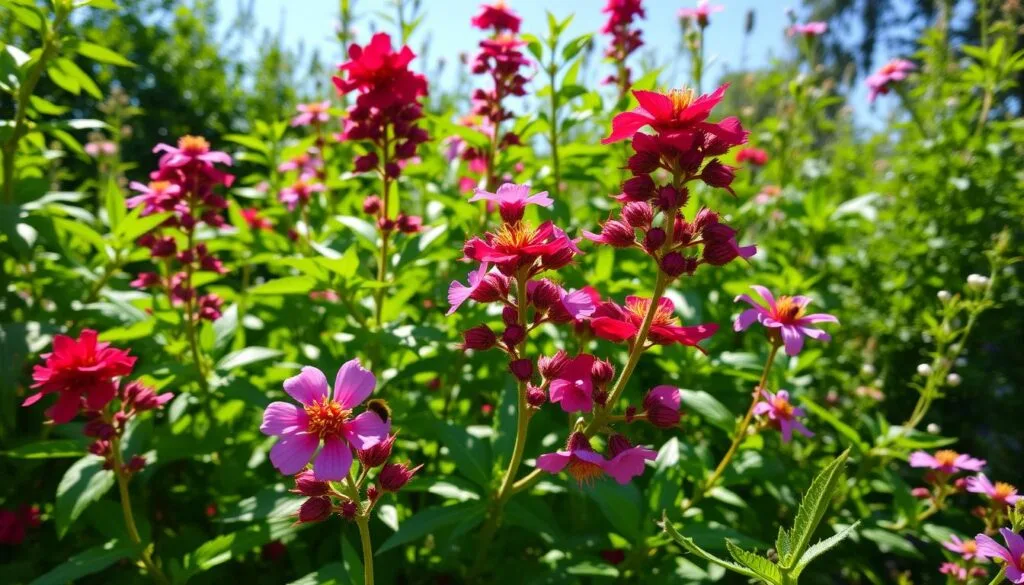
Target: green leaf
(102,54)
(430,520)
(470,454)
(813,507)
(289,285)
(782,544)
(133,225)
(761,566)
(691,546)
(64,81)
(821,547)
(622,505)
(225,328)
(329,574)
(250,142)
(890,542)
(55,449)
(573,47)
(90,561)
(244,357)
(709,408)
(81,78)
(80,230)
(842,428)
(83,483)
(225,547)
(362,228)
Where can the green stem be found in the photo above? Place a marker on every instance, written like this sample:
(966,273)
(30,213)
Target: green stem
(364,537)
(553,123)
(385,234)
(129,517)
(999,577)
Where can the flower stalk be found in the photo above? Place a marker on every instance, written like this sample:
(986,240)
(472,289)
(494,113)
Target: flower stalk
(129,518)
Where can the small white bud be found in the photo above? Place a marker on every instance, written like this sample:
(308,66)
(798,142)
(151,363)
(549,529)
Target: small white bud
(933,428)
(924,370)
(977,282)
(953,379)
(868,370)
(944,296)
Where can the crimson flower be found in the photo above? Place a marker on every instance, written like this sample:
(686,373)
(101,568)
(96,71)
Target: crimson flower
(619,323)
(675,112)
(517,245)
(79,369)
(381,73)
(573,388)
(756,156)
(497,16)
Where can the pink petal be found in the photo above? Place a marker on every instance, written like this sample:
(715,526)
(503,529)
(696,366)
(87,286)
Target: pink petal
(333,461)
(1015,543)
(353,384)
(553,462)
(291,453)
(458,293)
(625,125)
(282,418)
(657,104)
(665,395)
(818,318)
(612,329)
(813,333)
(366,430)
(65,408)
(766,295)
(991,549)
(746,319)
(309,386)
(575,397)
(922,459)
(32,399)
(578,304)
(792,339)
(629,464)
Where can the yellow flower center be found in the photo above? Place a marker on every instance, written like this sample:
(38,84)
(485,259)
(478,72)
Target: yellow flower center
(787,310)
(194,145)
(946,457)
(681,99)
(584,471)
(326,418)
(782,407)
(1003,490)
(317,108)
(514,236)
(638,308)
(969,547)
(159,186)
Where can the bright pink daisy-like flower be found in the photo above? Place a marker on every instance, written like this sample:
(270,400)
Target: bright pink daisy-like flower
(299,192)
(578,459)
(627,461)
(1012,553)
(756,156)
(785,314)
(781,414)
(312,113)
(82,372)
(155,197)
(809,29)
(573,389)
(497,16)
(946,461)
(999,492)
(880,81)
(517,244)
(619,323)
(190,149)
(701,14)
(512,200)
(678,111)
(967,549)
(321,417)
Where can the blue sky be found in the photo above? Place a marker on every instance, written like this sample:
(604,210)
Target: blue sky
(446,24)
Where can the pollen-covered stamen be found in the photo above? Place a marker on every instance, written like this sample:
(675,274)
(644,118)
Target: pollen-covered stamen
(787,310)
(1003,491)
(584,472)
(326,418)
(946,457)
(159,186)
(317,108)
(193,145)
(681,99)
(513,236)
(782,407)
(662,314)
(969,547)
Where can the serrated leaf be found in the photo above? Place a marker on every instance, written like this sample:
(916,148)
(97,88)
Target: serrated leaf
(761,566)
(782,544)
(691,546)
(821,547)
(813,507)
(83,483)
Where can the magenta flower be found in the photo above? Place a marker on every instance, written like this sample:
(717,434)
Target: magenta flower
(573,389)
(299,192)
(880,81)
(561,305)
(323,418)
(627,461)
(313,113)
(787,315)
(512,200)
(1012,553)
(781,414)
(482,288)
(190,149)
(701,13)
(809,30)
(1000,492)
(946,461)
(578,459)
(967,549)
(155,197)
(306,163)
(955,571)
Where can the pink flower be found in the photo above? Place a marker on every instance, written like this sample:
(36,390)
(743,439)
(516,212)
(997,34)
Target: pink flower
(787,315)
(879,82)
(756,156)
(102,148)
(255,220)
(701,13)
(381,74)
(1013,553)
(967,549)
(781,414)
(155,197)
(573,389)
(679,112)
(571,306)
(578,459)
(512,200)
(954,570)
(517,245)
(312,113)
(808,30)
(946,461)
(459,293)
(497,16)
(299,192)
(82,372)
(191,149)
(323,418)
(627,461)
(306,163)
(1000,493)
(617,323)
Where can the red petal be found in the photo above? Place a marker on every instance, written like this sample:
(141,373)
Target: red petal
(612,330)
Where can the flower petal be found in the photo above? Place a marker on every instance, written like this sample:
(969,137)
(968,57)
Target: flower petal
(354,384)
(291,453)
(333,461)
(746,319)
(792,339)
(65,408)
(553,462)
(1015,543)
(625,125)
(282,418)
(989,548)
(766,295)
(366,430)
(922,459)
(308,387)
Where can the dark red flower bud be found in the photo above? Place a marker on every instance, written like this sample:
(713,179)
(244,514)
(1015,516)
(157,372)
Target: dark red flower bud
(522,369)
(348,509)
(480,338)
(630,414)
(315,510)
(366,162)
(371,205)
(307,485)
(560,259)
(675,264)
(715,174)
(163,247)
(509,316)
(720,253)
(99,429)
(705,217)
(643,163)
(394,476)
(513,335)
(613,556)
(639,188)
(601,372)
(601,397)
(142,398)
(392,170)
(372,493)
(493,287)
(690,160)
(654,239)
(682,231)
(638,214)
(660,413)
(618,234)
(100,447)
(135,464)
(921,493)
(386,224)
(511,211)
(551,367)
(670,198)
(377,455)
(536,397)
(617,444)
(545,294)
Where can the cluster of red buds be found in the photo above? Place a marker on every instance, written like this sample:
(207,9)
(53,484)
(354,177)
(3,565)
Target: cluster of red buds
(323,499)
(385,115)
(679,149)
(625,39)
(185,184)
(107,426)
